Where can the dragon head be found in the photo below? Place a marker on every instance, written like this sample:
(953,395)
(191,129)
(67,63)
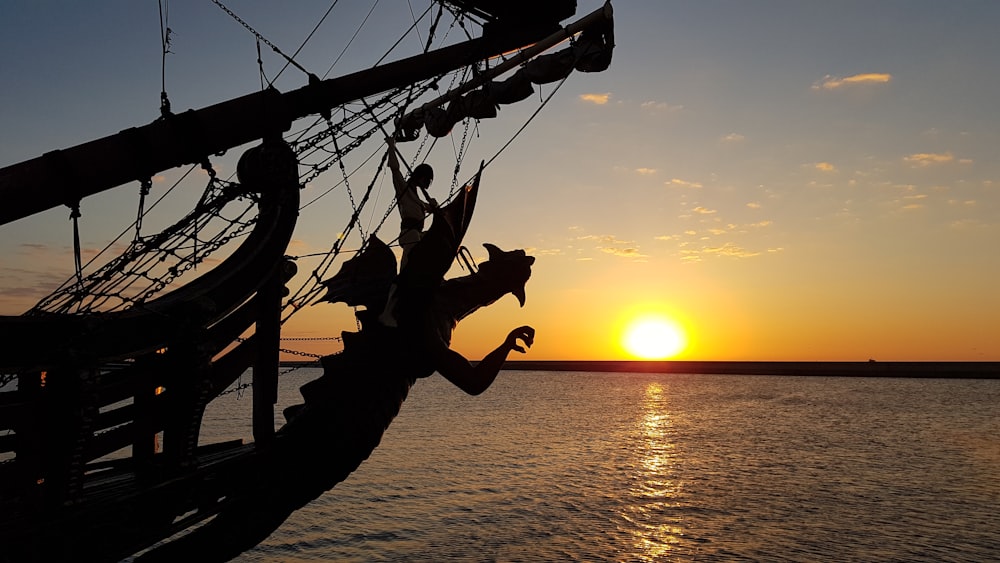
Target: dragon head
(508,269)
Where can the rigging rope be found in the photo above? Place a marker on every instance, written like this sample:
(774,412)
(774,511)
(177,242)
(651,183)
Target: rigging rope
(311,288)
(358,31)
(528,122)
(414,17)
(308,37)
(260,37)
(347,184)
(77,262)
(260,68)
(151,207)
(351,40)
(165,33)
(400,40)
(152,263)
(144,188)
(459,154)
(430,32)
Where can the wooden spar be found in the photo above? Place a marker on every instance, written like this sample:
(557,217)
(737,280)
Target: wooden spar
(64,177)
(266,366)
(605,13)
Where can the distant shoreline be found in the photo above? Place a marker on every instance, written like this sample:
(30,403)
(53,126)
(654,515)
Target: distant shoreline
(955,370)
(971,370)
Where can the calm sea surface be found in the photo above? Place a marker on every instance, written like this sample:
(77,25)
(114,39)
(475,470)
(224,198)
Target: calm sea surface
(549,466)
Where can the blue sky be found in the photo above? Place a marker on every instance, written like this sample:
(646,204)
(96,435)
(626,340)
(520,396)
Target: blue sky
(787,180)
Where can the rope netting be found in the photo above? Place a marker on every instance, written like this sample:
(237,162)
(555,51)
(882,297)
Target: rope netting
(150,264)
(144,267)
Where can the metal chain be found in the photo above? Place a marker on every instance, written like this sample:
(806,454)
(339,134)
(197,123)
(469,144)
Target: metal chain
(260,37)
(146,254)
(300,353)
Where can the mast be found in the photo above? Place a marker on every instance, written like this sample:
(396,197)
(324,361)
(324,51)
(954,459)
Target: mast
(64,177)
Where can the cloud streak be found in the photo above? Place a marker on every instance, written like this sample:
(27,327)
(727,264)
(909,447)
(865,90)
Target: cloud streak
(660,106)
(599,99)
(682,183)
(610,244)
(830,82)
(630,252)
(731,250)
(927,158)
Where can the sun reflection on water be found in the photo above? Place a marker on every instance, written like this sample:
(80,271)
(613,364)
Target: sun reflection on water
(651,516)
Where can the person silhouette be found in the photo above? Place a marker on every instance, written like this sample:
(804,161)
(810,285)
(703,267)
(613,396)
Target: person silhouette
(412,210)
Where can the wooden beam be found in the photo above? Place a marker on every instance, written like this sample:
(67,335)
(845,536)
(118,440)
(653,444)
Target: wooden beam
(63,177)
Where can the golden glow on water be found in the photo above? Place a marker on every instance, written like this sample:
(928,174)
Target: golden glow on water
(654,486)
(659,467)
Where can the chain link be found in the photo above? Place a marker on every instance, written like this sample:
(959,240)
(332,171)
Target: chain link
(259,37)
(244,386)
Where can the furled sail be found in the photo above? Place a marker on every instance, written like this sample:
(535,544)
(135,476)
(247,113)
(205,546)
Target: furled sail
(591,52)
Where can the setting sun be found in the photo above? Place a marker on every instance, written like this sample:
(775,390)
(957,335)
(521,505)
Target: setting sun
(654,338)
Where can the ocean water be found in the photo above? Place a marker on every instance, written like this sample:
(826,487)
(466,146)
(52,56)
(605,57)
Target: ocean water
(556,466)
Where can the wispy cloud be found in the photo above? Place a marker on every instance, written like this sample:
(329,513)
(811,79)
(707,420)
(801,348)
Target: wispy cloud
(830,82)
(682,183)
(970,225)
(732,250)
(716,238)
(927,159)
(599,99)
(825,167)
(534,251)
(645,171)
(728,249)
(610,244)
(299,247)
(912,202)
(732,138)
(21,288)
(660,106)
(629,252)
(604,239)
(753,205)
(690,256)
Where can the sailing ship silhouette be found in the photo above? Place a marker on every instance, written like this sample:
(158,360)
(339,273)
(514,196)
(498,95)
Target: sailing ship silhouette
(119,356)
